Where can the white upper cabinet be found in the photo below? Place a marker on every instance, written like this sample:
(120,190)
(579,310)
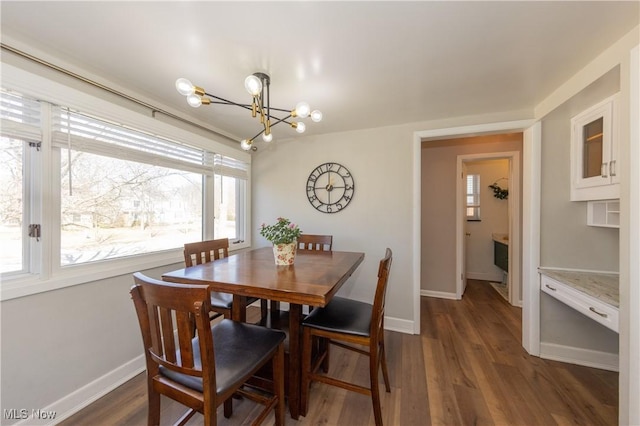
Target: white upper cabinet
(594,150)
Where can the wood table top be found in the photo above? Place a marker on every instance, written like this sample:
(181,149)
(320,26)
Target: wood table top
(312,280)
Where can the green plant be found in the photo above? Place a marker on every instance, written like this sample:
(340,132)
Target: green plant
(282,232)
(499,193)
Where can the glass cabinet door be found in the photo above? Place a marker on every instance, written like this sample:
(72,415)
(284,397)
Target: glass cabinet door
(592,148)
(593,153)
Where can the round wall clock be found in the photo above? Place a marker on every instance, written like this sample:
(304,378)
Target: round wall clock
(330,187)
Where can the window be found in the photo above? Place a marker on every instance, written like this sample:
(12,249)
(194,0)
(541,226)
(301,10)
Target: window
(473,197)
(20,130)
(230,183)
(124,192)
(109,191)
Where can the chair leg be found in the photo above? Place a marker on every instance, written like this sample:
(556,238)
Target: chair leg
(278,384)
(323,348)
(264,308)
(306,370)
(375,387)
(385,372)
(153,417)
(228,407)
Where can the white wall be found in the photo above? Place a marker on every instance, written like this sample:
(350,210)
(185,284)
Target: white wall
(378,216)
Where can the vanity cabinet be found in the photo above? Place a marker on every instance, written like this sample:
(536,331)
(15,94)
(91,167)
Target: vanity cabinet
(594,152)
(501,256)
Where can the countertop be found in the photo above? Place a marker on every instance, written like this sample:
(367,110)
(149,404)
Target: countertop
(604,287)
(501,238)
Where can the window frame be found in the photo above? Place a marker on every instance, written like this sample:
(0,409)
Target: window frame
(46,273)
(475,193)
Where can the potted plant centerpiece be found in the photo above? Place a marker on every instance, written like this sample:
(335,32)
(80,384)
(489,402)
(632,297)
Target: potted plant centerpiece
(283,235)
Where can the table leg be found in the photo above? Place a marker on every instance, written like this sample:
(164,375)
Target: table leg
(295,353)
(239,308)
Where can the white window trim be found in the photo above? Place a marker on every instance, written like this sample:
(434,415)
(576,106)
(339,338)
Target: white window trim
(53,277)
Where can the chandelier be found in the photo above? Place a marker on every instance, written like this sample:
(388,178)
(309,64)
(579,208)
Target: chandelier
(257,85)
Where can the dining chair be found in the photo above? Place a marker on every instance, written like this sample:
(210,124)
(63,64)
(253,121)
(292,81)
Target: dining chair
(208,251)
(344,322)
(204,371)
(315,242)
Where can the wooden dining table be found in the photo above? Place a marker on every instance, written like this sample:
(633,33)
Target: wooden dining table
(313,280)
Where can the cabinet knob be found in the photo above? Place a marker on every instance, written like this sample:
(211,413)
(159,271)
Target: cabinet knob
(612,168)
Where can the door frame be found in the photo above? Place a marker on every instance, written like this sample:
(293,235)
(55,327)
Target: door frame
(531,146)
(515,252)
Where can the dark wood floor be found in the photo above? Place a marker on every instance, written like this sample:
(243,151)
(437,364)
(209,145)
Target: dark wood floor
(467,367)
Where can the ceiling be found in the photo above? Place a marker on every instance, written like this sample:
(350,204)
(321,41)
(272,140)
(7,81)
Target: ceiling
(363,64)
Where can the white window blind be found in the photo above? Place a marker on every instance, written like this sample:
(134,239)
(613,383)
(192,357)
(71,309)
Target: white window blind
(85,133)
(227,166)
(20,116)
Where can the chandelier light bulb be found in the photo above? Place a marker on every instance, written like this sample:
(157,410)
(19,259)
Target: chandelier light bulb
(253,85)
(194,100)
(246,144)
(185,87)
(267,137)
(316,116)
(300,128)
(302,109)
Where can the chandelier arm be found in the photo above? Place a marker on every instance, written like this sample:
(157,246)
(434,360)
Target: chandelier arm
(259,133)
(282,110)
(224,101)
(280,120)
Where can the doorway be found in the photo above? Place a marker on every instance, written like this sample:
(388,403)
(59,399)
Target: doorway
(530,223)
(492,227)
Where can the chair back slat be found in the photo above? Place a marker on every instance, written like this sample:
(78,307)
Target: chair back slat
(166,325)
(315,242)
(185,332)
(153,321)
(166,313)
(377,316)
(205,251)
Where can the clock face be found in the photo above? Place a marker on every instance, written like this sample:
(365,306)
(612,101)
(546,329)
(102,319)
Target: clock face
(330,187)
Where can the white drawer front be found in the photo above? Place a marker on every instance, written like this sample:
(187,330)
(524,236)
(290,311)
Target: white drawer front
(595,309)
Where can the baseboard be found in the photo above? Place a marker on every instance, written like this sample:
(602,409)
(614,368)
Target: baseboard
(77,400)
(585,357)
(399,325)
(484,276)
(438,294)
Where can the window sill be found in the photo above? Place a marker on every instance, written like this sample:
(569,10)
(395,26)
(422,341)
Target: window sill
(27,285)
(30,284)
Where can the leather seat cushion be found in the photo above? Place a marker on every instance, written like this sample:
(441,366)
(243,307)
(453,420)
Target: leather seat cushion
(225,300)
(342,315)
(238,349)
